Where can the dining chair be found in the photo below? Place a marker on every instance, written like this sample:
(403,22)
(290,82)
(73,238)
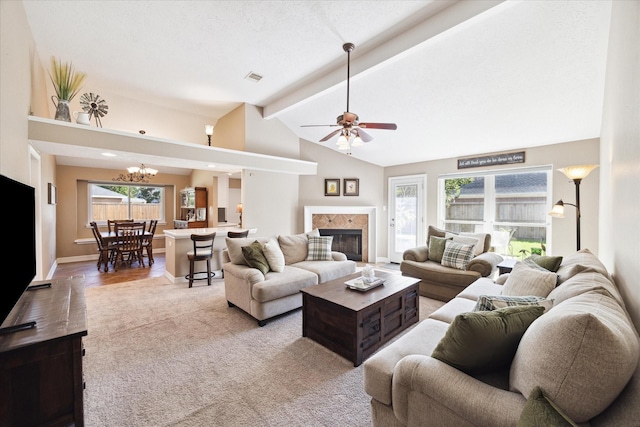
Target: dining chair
(147,242)
(112,222)
(104,249)
(130,236)
(202,251)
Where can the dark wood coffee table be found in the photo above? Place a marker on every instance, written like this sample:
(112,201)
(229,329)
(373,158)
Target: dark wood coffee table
(356,323)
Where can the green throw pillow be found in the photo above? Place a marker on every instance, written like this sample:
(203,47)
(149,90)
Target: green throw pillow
(436,248)
(551,263)
(485,341)
(541,411)
(255,258)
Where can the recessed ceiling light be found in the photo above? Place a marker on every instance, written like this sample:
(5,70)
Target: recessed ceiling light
(253,77)
(211,166)
(108,154)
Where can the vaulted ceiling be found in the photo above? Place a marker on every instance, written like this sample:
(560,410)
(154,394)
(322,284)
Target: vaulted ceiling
(457,77)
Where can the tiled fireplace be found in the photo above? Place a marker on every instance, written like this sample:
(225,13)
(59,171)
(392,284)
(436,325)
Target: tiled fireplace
(354,226)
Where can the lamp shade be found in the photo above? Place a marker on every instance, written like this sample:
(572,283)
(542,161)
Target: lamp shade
(208,129)
(239,208)
(578,172)
(558,210)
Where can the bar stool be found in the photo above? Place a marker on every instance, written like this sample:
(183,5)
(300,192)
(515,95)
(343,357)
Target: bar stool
(202,251)
(237,234)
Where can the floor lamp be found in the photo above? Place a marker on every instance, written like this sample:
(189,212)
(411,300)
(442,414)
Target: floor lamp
(576,174)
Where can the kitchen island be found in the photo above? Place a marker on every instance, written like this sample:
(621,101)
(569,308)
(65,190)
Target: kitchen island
(178,243)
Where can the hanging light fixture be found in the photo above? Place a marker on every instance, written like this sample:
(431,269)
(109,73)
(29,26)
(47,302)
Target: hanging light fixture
(137,174)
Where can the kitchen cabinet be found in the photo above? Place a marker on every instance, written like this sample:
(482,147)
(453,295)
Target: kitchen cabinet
(193,207)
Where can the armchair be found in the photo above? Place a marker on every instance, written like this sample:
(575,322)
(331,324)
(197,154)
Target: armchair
(443,282)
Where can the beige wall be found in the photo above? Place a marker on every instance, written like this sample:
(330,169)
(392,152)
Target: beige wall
(620,154)
(332,164)
(73,207)
(563,234)
(21,81)
(229,131)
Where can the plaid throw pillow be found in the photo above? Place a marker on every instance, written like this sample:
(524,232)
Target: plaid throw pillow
(494,302)
(319,248)
(457,255)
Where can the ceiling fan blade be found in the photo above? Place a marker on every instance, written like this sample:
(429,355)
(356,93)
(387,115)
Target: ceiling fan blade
(331,135)
(310,126)
(364,136)
(390,126)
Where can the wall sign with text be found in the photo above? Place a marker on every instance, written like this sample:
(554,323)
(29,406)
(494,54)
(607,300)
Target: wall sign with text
(492,160)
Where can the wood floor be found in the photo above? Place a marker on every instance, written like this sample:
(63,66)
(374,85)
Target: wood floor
(126,273)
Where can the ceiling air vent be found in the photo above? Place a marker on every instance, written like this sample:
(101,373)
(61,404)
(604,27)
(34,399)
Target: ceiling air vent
(253,77)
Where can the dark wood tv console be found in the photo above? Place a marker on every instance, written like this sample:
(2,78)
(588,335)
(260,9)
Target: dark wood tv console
(41,380)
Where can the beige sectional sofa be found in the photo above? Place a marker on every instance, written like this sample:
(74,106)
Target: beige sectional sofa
(582,352)
(443,282)
(264,296)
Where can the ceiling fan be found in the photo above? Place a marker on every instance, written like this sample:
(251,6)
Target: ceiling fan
(350,126)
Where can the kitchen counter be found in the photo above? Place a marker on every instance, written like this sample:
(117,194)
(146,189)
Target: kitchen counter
(178,243)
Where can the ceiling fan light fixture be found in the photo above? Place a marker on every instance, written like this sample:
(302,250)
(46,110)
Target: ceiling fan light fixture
(349,121)
(357,141)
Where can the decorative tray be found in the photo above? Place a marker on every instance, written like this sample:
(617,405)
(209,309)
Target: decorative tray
(359,285)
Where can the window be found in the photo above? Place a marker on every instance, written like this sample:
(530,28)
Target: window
(511,205)
(125,201)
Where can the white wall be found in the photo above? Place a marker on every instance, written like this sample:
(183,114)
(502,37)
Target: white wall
(333,164)
(563,233)
(620,154)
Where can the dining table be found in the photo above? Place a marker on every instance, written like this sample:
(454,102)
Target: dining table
(112,237)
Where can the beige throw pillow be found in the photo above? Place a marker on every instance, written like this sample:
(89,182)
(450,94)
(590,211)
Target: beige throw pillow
(274,255)
(234,247)
(524,280)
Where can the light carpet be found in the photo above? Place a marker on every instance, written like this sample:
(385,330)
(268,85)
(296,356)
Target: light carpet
(163,354)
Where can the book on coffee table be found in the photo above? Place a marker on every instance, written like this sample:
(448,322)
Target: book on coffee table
(360,285)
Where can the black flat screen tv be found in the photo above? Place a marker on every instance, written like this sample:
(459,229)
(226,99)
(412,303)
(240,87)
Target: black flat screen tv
(19,255)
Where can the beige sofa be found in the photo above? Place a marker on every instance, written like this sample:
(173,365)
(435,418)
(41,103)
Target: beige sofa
(582,352)
(441,282)
(264,296)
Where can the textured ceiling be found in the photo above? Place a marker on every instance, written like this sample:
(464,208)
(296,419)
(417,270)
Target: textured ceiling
(458,78)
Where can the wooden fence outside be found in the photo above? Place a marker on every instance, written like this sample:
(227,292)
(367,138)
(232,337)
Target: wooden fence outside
(521,211)
(105,211)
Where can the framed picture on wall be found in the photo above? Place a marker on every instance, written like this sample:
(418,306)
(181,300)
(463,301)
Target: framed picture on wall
(351,187)
(332,187)
(53,196)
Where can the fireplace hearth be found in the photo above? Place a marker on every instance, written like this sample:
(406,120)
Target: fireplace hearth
(347,241)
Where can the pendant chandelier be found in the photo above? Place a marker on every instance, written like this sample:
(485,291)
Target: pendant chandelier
(137,174)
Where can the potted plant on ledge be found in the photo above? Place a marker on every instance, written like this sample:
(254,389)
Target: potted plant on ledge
(66,83)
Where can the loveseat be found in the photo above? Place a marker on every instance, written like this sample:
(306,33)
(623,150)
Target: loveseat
(293,263)
(439,280)
(576,360)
